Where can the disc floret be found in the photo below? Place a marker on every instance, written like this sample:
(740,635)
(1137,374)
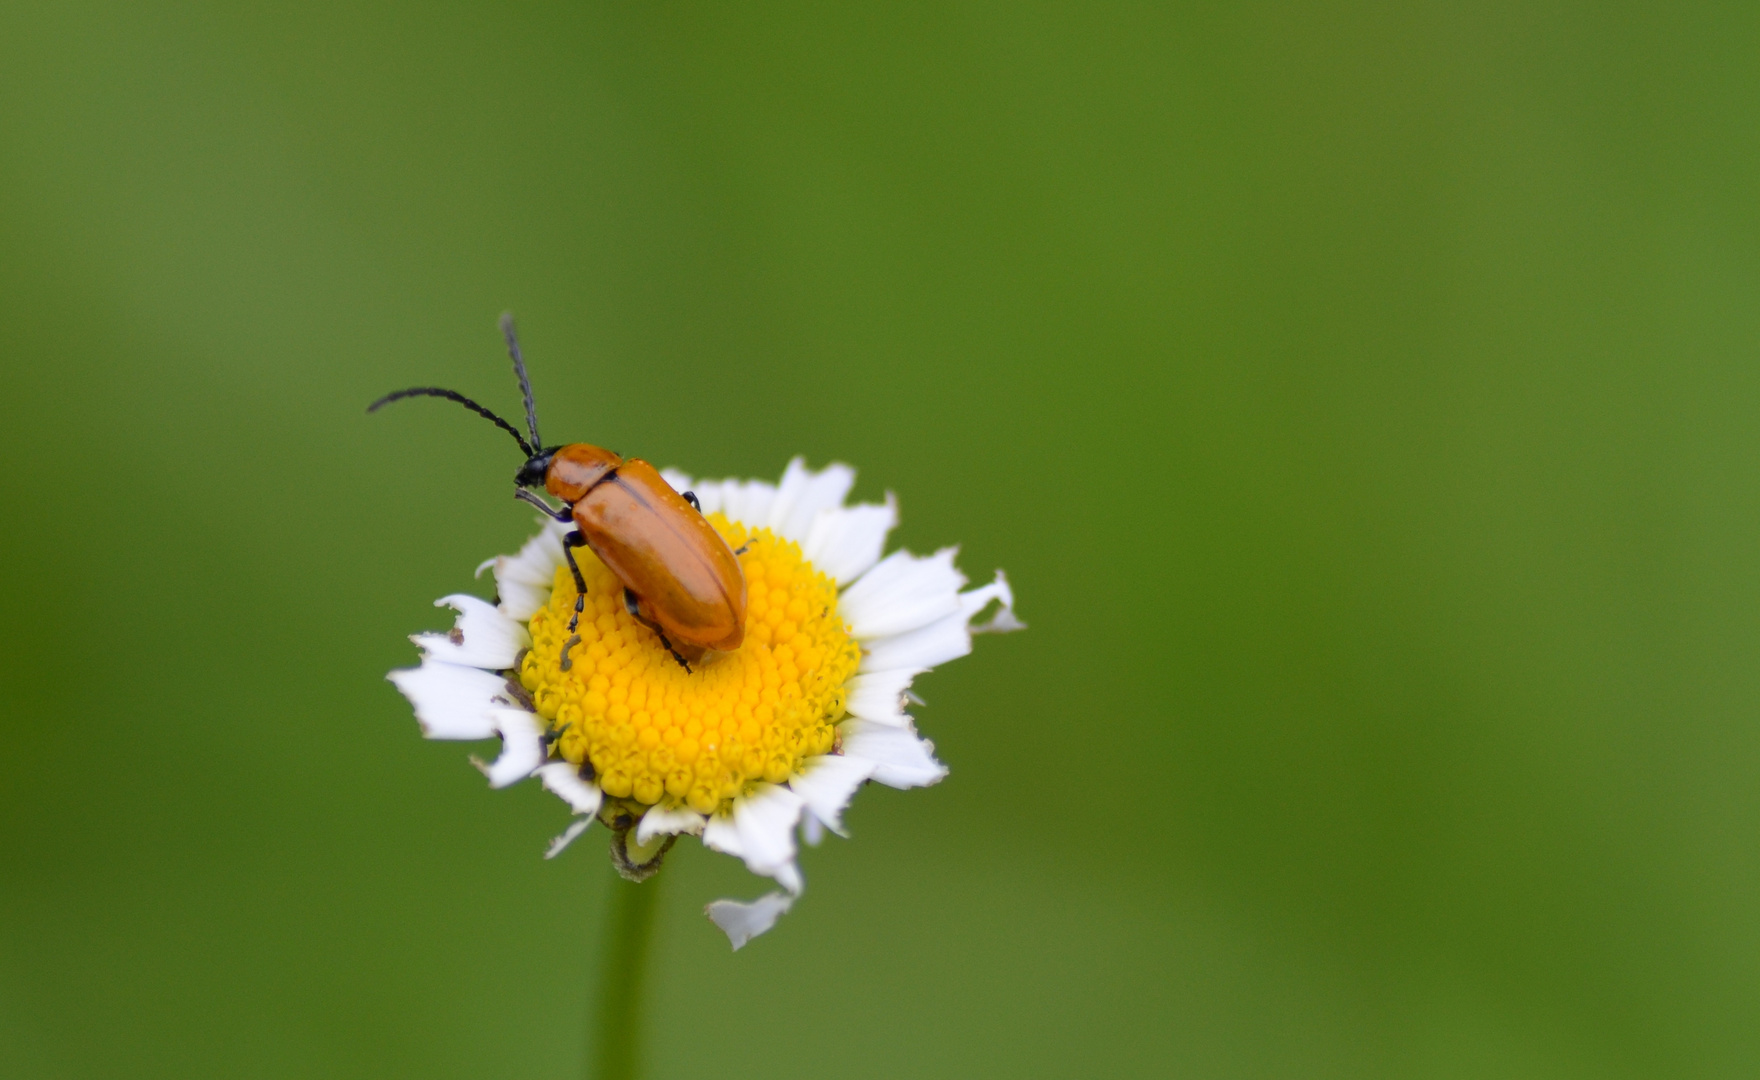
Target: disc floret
(622,709)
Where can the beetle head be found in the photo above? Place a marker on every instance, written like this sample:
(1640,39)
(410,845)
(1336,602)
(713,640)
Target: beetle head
(533,473)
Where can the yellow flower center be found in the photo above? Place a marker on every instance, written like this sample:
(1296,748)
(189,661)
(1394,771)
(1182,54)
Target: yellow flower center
(652,732)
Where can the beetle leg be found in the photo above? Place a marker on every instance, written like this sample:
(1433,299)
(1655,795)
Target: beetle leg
(691,497)
(549,511)
(682,662)
(551,738)
(569,543)
(632,605)
(742,549)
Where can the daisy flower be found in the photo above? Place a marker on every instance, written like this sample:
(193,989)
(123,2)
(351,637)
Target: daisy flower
(752,745)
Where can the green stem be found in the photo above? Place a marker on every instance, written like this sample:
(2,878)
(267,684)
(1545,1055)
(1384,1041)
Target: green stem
(617,1041)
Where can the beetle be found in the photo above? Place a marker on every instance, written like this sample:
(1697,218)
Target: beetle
(679,577)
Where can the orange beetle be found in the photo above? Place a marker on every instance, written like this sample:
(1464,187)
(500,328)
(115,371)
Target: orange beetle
(680,578)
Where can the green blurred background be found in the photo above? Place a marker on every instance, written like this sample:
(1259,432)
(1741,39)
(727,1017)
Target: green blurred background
(1362,398)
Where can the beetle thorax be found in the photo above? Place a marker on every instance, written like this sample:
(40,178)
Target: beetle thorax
(576,468)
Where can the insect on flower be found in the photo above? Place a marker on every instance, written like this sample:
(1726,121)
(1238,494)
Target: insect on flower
(679,577)
(731,665)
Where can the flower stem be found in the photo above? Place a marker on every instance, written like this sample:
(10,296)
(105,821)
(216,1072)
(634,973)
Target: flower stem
(617,1041)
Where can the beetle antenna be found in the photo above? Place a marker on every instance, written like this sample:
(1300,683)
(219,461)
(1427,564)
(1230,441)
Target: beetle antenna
(519,368)
(454,395)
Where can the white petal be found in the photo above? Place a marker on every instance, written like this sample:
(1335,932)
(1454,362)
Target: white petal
(788,875)
(742,922)
(452,702)
(902,593)
(1004,621)
(679,481)
(766,819)
(659,821)
(879,695)
(762,827)
(901,759)
(720,834)
(564,781)
(947,638)
(525,580)
(482,636)
(845,542)
(803,493)
(567,837)
(522,747)
(812,829)
(747,501)
(826,784)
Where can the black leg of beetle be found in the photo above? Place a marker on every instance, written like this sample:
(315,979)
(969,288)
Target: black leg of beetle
(691,497)
(632,605)
(551,738)
(563,514)
(743,548)
(682,662)
(569,543)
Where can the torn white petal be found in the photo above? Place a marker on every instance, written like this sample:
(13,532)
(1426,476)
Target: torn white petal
(563,779)
(481,637)
(826,784)
(660,821)
(788,875)
(1004,621)
(880,695)
(452,702)
(902,593)
(524,580)
(720,834)
(522,747)
(759,830)
(845,542)
(812,829)
(803,493)
(947,638)
(742,921)
(567,837)
(901,758)
(766,819)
